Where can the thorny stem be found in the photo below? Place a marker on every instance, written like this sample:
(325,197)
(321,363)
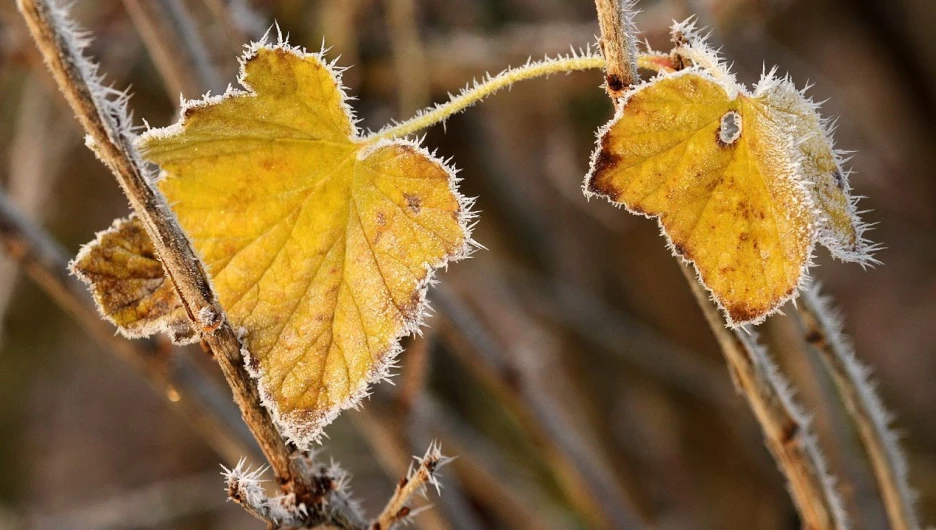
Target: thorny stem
(415,482)
(175,378)
(822,331)
(618,44)
(786,429)
(486,475)
(385,438)
(479,91)
(104,122)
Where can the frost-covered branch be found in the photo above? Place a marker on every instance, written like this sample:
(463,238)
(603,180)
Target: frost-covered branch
(618,44)
(822,328)
(786,427)
(103,113)
(416,481)
(328,504)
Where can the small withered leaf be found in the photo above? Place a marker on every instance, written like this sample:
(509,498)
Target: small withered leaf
(129,285)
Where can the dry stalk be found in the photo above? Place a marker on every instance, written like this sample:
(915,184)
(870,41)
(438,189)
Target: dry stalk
(786,428)
(822,330)
(102,112)
(487,475)
(385,439)
(417,479)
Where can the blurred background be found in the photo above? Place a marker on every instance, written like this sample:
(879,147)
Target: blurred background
(568,364)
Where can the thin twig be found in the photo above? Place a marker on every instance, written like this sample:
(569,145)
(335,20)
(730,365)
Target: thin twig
(385,439)
(175,46)
(417,479)
(242,21)
(489,85)
(786,428)
(173,377)
(586,483)
(618,44)
(102,112)
(822,329)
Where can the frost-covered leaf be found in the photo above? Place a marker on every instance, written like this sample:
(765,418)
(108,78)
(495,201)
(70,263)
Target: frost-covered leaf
(320,242)
(128,283)
(743,183)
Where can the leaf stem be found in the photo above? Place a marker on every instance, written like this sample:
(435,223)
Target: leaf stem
(485,88)
(822,330)
(489,85)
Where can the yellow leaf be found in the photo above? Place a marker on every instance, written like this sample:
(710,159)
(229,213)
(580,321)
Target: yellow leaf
(128,283)
(320,243)
(741,185)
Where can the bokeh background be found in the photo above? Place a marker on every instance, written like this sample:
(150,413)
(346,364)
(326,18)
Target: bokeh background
(582,309)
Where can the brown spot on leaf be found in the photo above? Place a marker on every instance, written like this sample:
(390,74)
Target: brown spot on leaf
(413,202)
(605,162)
(743,312)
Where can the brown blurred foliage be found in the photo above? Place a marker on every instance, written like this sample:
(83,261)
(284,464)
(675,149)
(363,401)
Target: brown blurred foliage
(584,301)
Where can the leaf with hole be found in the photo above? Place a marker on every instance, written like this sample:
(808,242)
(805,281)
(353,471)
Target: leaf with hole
(743,183)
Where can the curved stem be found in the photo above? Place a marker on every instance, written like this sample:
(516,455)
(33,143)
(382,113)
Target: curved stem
(485,88)
(480,90)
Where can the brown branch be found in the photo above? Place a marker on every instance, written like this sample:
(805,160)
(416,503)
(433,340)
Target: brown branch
(385,439)
(417,479)
(618,44)
(822,331)
(785,428)
(107,125)
(173,377)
